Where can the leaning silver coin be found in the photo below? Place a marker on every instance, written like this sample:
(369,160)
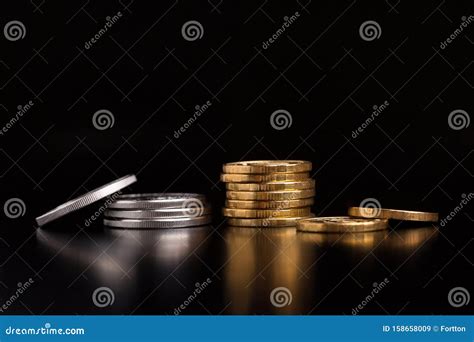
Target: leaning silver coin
(158,223)
(157,200)
(158,213)
(86,199)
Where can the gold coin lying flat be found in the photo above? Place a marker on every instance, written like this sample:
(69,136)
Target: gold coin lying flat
(268,222)
(269,195)
(340,224)
(271,186)
(393,214)
(257,178)
(267,166)
(266,213)
(297,203)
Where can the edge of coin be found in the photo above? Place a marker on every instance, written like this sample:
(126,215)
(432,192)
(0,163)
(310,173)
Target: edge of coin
(267,166)
(362,225)
(272,186)
(394,214)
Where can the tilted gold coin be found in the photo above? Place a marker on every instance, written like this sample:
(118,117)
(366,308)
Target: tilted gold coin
(269,195)
(266,213)
(296,203)
(257,178)
(271,186)
(267,166)
(267,222)
(340,224)
(393,214)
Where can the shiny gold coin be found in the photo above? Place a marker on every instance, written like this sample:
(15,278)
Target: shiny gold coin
(393,214)
(262,223)
(297,203)
(266,213)
(271,186)
(270,177)
(269,195)
(267,166)
(365,241)
(340,224)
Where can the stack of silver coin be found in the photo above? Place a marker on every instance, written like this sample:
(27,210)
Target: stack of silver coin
(154,210)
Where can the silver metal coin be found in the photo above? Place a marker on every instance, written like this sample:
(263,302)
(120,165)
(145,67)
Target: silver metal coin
(86,199)
(157,201)
(159,213)
(158,223)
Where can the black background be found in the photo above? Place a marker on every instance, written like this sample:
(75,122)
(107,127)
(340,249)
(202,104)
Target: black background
(151,79)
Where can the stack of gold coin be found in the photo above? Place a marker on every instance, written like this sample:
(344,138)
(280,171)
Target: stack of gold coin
(268,193)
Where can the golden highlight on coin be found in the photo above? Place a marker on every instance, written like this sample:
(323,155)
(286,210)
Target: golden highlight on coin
(340,224)
(266,213)
(393,214)
(269,195)
(271,186)
(257,178)
(297,203)
(266,222)
(267,166)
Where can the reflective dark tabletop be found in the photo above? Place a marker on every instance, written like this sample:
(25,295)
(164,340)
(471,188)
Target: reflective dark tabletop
(235,270)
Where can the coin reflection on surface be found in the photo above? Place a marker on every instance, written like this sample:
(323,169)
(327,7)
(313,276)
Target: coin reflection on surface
(352,262)
(259,261)
(362,241)
(132,263)
(401,239)
(410,238)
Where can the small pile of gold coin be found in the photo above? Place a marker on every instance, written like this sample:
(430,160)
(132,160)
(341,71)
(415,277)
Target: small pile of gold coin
(268,193)
(363,219)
